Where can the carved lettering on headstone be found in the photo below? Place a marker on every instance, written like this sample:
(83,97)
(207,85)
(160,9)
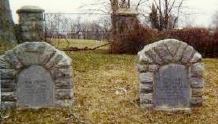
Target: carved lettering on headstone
(172,88)
(35,87)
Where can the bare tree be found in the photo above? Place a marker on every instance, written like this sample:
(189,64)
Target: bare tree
(165,13)
(215,21)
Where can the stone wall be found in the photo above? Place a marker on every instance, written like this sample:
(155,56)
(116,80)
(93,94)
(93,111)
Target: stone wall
(170,55)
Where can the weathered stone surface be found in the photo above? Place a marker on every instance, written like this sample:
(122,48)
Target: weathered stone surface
(146,98)
(146,77)
(146,88)
(171,88)
(197,82)
(178,56)
(197,70)
(30,82)
(64,83)
(197,92)
(65,102)
(171,76)
(142,68)
(172,46)
(8,96)
(7,33)
(153,68)
(35,87)
(8,105)
(156,58)
(65,72)
(187,54)
(163,52)
(30,23)
(30,9)
(64,94)
(196,58)
(196,101)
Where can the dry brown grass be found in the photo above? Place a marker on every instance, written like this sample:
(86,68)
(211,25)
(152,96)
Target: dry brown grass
(106,92)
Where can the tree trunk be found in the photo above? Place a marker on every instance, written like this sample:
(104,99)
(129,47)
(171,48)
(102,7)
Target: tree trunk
(6,23)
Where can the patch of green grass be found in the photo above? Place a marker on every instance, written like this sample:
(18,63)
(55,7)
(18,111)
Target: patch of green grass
(80,43)
(106,92)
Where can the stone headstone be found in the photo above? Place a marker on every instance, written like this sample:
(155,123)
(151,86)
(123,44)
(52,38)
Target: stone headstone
(36,75)
(171,76)
(35,87)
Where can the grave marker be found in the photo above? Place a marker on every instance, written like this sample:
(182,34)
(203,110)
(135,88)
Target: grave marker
(171,76)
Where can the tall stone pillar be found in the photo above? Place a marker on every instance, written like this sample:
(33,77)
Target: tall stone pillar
(31,23)
(6,23)
(35,74)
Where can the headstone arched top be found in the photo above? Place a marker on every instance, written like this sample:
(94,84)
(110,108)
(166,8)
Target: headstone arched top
(171,76)
(36,74)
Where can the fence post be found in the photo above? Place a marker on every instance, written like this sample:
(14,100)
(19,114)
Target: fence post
(31,24)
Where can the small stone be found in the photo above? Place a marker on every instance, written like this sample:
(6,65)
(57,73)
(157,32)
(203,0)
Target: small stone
(62,72)
(196,101)
(197,70)
(197,92)
(146,77)
(11,58)
(155,57)
(196,58)
(163,52)
(179,54)
(142,68)
(187,54)
(172,46)
(64,103)
(197,82)
(153,68)
(64,94)
(144,59)
(8,96)
(146,88)
(7,74)
(63,83)
(146,98)
(8,105)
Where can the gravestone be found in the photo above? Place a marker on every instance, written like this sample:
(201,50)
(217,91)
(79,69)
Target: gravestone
(35,87)
(35,75)
(171,76)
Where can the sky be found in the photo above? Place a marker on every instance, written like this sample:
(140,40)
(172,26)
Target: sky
(201,11)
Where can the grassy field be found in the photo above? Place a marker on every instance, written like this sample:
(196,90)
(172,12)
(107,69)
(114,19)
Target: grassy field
(106,92)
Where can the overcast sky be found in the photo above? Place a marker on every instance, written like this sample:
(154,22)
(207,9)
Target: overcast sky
(202,10)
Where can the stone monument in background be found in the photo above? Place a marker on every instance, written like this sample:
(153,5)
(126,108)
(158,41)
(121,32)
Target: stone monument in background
(31,24)
(35,74)
(7,32)
(171,76)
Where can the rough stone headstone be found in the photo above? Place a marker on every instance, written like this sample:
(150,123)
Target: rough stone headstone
(35,75)
(171,76)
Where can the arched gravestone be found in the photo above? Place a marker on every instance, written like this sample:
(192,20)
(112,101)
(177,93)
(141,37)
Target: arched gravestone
(35,75)
(171,76)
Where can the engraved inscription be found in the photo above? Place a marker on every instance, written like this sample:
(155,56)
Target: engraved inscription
(35,87)
(171,87)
